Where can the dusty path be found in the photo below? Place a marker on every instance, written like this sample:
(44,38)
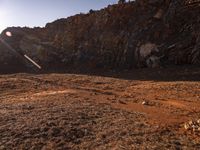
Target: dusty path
(67,111)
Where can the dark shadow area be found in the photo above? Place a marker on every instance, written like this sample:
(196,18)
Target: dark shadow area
(173,73)
(170,73)
(162,74)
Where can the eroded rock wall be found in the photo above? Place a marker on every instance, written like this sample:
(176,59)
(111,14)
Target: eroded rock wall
(142,33)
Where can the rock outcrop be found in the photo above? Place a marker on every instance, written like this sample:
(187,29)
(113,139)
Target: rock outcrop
(141,33)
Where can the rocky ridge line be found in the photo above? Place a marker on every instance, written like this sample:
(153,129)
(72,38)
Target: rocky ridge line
(142,33)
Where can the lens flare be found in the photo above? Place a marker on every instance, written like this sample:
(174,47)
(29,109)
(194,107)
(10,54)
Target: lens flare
(8,33)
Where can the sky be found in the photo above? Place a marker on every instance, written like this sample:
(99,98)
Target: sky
(34,13)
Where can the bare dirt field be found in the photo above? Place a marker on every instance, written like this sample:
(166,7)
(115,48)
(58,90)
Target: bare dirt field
(143,109)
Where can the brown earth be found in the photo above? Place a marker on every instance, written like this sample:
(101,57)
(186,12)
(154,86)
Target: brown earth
(69,111)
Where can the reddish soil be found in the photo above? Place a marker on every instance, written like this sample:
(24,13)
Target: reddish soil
(68,111)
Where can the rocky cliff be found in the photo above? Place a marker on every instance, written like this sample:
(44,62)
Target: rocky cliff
(141,33)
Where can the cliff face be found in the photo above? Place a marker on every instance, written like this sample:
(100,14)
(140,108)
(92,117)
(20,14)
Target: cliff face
(143,33)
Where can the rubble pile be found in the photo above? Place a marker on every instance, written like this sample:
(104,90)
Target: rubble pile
(136,34)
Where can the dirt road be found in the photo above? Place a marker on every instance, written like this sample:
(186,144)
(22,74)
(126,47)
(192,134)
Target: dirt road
(140,110)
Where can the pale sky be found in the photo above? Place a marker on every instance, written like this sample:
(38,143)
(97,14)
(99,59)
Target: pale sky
(34,13)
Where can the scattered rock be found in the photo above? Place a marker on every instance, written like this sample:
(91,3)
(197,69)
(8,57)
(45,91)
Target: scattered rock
(144,103)
(193,126)
(159,14)
(122,102)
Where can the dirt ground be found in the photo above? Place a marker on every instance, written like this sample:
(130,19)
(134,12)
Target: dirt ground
(70,111)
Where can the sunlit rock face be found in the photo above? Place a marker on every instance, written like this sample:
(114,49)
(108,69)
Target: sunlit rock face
(141,33)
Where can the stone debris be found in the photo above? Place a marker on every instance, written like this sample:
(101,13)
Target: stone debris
(122,102)
(144,103)
(193,126)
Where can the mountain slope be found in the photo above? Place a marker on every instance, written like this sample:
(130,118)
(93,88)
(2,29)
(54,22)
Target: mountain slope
(143,33)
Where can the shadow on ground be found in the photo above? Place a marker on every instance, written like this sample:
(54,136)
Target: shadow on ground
(172,73)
